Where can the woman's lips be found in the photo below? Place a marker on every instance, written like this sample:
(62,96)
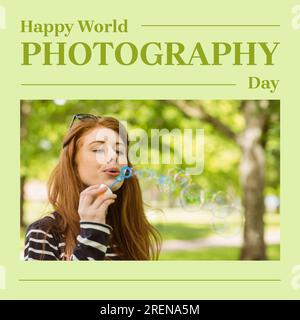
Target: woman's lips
(112,173)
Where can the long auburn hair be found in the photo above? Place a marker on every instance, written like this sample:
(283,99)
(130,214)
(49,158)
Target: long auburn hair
(135,238)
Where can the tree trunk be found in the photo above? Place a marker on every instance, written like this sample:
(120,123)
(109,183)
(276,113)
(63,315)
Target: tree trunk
(252,168)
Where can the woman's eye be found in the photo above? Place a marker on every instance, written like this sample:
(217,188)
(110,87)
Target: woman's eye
(98,150)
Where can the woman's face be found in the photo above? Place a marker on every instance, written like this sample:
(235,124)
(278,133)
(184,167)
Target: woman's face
(100,156)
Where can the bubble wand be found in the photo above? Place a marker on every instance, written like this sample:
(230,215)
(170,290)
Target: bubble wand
(125,173)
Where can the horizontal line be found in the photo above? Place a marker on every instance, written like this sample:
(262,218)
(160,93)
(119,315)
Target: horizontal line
(128,84)
(211,25)
(149,280)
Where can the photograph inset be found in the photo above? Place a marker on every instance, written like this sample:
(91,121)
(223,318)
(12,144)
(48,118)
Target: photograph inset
(150,180)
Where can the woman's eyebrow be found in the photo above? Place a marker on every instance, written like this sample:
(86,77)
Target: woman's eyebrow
(96,141)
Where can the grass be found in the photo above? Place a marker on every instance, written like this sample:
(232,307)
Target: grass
(217,253)
(189,231)
(183,231)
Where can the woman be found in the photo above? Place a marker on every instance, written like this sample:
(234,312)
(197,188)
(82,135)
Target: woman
(90,222)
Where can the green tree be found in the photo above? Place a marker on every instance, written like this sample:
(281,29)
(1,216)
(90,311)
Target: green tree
(252,140)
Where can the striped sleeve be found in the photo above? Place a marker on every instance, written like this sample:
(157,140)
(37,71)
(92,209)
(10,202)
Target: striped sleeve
(92,241)
(40,244)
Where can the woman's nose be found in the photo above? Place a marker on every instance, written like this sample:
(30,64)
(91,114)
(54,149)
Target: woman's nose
(111,155)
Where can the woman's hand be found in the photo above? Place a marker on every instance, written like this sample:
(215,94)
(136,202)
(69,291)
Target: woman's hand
(93,204)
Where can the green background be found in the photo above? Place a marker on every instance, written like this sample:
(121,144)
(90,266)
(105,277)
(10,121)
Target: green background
(163,279)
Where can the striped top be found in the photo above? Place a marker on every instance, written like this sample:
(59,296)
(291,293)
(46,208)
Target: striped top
(92,242)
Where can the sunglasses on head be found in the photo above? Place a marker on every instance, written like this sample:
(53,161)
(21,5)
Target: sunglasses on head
(83,117)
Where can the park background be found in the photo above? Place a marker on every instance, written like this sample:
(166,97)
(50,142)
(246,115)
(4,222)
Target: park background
(238,134)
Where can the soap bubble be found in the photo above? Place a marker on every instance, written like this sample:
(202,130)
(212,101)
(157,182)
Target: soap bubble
(173,171)
(192,197)
(145,174)
(227,220)
(182,178)
(165,184)
(207,200)
(221,198)
(227,217)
